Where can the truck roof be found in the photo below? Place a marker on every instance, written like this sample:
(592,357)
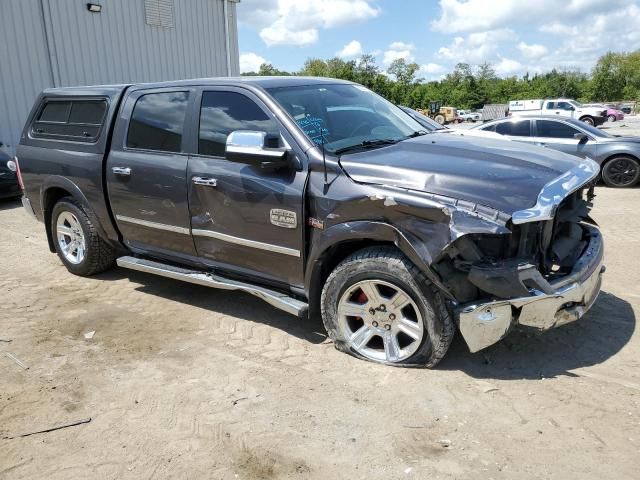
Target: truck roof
(264,82)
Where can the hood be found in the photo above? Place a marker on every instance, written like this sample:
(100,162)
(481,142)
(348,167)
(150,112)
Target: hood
(506,176)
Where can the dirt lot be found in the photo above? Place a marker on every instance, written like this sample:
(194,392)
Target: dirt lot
(182,381)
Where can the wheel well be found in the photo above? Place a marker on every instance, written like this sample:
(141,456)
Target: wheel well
(329,260)
(585,116)
(617,155)
(50,198)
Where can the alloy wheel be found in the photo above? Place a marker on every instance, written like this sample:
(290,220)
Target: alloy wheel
(622,172)
(71,238)
(380,321)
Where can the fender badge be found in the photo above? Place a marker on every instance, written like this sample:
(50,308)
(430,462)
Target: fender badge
(315,223)
(283,218)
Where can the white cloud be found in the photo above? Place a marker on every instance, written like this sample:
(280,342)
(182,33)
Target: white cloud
(250,62)
(532,51)
(477,47)
(474,15)
(350,50)
(293,22)
(432,68)
(506,67)
(398,50)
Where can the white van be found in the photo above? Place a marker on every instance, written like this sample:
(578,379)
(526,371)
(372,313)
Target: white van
(560,106)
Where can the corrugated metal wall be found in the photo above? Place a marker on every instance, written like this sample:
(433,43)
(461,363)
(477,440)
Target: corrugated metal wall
(46,43)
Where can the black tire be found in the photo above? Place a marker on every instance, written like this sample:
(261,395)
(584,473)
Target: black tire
(469,120)
(621,172)
(612,118)
(588,120)
(98,257)
(440,119)
(389,265)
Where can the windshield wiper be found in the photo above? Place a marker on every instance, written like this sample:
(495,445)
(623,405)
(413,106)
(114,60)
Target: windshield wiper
(367,144)
(417,133)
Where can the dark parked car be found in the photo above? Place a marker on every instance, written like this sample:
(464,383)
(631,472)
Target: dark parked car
(9,183)
(619,157)
(316,195)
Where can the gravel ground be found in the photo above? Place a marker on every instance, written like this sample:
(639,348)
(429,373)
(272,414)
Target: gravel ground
(182,381)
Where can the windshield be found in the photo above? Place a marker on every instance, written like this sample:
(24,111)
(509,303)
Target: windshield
(345,116)
(429,124)
(593,130)
(575,104)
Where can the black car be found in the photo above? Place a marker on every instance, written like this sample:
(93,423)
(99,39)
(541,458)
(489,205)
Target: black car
(320,197)
(9,185)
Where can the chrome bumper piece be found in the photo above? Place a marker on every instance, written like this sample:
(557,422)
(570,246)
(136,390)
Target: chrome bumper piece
(28,208)
(484,324)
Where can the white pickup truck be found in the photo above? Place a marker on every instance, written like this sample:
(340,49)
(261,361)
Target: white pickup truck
(559,107)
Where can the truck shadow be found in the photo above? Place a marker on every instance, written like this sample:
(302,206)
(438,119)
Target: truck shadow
(10,203)
(236,304)
(602,333)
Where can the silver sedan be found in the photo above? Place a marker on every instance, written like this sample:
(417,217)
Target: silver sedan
(619,157)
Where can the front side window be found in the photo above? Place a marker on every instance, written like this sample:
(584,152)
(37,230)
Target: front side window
(520,128)
(223,112)
(157,121)
(73,120)
(341,116)
(564,106)
(551,129)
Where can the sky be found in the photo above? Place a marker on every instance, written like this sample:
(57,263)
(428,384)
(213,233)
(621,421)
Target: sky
(515,36)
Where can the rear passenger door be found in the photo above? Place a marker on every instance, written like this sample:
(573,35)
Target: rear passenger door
(559,135)
(147,172)
(518,130)
(244,218)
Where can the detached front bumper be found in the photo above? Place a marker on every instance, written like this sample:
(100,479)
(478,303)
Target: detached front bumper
(484,324)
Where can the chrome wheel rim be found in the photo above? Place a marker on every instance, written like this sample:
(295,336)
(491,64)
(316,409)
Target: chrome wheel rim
(70,238)
(380,321)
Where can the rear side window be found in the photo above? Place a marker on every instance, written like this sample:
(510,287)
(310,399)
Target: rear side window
(521,128)
(157,121)
(223,112)
(551,129)
(73,120)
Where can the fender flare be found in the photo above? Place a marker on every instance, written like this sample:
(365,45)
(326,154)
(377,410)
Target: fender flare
(56,181)
(361,230)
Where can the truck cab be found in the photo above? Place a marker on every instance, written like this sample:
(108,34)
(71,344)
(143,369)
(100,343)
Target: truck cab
(321,198)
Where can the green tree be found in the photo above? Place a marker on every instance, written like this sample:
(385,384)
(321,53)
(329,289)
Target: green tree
(404,72)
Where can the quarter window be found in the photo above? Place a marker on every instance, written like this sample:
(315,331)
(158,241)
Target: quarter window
(223,112)
(521,128)
(157,121)
(73,120)
(551,129)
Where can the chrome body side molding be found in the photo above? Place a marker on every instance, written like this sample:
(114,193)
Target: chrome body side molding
(557,190)
(246,242)
(159,226)
(276,299)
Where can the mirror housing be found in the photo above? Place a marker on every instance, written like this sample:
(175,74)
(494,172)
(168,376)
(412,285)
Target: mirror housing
(583,138)
(251,147)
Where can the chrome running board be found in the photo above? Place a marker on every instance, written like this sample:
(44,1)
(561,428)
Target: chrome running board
(277,299)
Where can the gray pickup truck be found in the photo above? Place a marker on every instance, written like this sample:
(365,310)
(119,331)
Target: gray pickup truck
(320,197)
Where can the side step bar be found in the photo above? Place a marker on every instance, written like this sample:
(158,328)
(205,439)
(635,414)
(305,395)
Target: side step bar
(277,299)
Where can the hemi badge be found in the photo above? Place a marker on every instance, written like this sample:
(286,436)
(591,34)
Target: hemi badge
(315,223)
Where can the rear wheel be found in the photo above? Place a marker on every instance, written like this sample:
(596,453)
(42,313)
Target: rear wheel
(76,240)
(587,120)
(612,118)
(378,306)
(440,119)
(621,172)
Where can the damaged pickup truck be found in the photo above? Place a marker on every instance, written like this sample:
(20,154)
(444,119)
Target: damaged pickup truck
(320,197)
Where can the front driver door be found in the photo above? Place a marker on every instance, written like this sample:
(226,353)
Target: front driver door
(244,218)
(559,135)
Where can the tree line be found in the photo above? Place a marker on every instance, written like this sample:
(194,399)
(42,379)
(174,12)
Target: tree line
(615,77)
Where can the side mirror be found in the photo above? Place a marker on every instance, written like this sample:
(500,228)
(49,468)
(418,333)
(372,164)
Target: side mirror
(252,147)
(581,137)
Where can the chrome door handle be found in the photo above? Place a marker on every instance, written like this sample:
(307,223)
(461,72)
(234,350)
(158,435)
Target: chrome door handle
(121,170)
(209,182)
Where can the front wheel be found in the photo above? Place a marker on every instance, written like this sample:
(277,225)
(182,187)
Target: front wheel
(587,120)
(621,172)
(612,118)
(378,306)
(76,240)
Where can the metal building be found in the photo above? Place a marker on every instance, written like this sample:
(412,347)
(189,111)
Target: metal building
(55,43)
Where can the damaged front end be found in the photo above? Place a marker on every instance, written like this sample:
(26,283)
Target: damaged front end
(544,273)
